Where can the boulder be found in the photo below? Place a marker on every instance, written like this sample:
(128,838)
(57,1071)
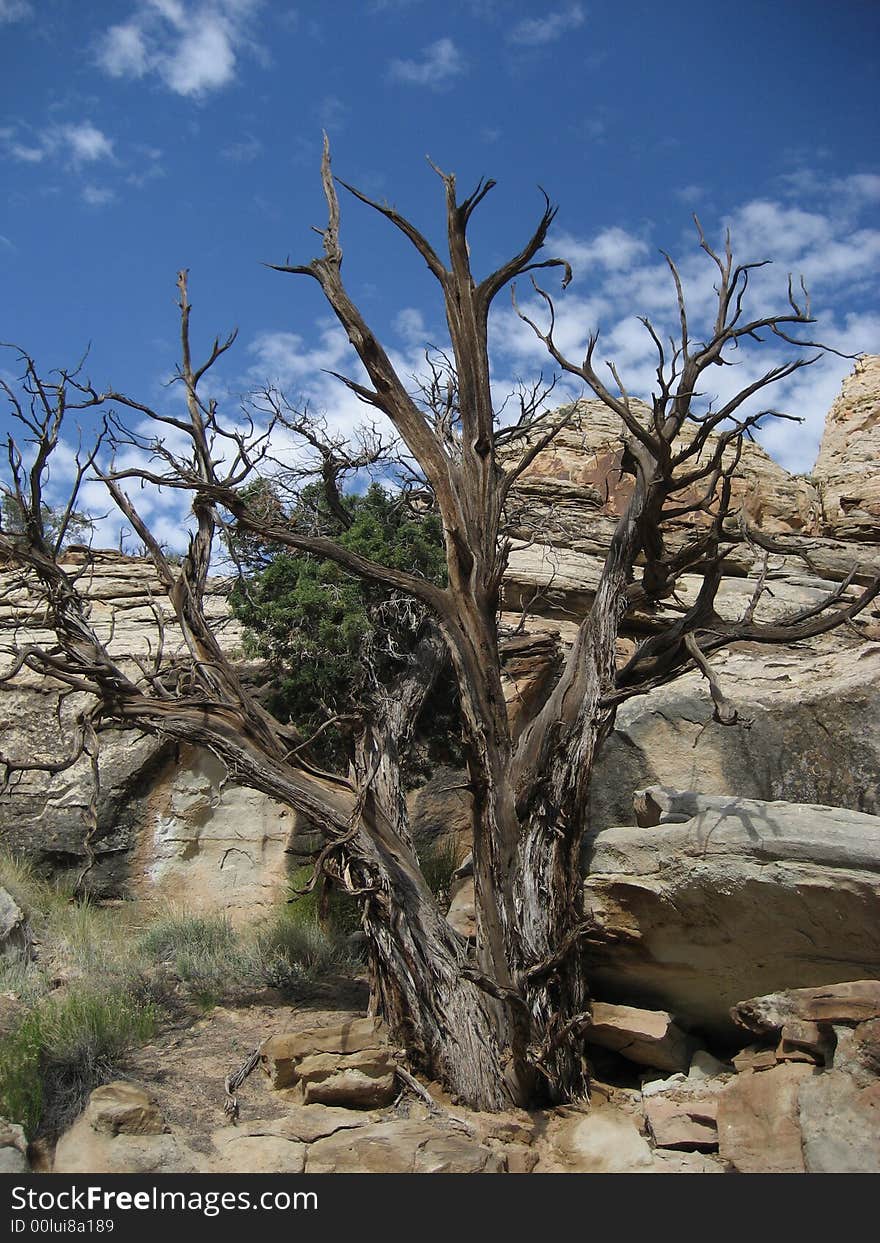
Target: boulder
(840,1124)
(13,1148)
(808,732)
(725,898)
(689,1123)
(758,1129)
(402,1147)
(15,938)
(83,1150)
(855,1001)
(123,1109)
(604,1141)
(282,1055)
(366,1079)
(647,1037)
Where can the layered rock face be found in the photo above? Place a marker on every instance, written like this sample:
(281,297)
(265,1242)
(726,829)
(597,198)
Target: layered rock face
(711,899)
(809,729)
(847,474)
(170,827)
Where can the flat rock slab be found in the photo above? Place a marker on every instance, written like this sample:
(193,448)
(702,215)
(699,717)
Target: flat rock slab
(647,1037)
(254,1152)
(402,1147)
(854,1001)
(308,1123)
(727,898)
(689,1124)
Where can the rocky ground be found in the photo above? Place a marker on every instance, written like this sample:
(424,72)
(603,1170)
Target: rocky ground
(802,1094)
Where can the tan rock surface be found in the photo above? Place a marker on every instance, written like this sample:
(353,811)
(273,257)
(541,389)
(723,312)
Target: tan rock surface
(729,898)
(758,1128)
(840,1125)
(847,470)
(123,1109)
(647,1037)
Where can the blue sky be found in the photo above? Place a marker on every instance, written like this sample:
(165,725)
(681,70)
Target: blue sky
(139,136)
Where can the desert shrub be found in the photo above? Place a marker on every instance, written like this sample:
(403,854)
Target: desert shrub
(37,896)
(65,1047)
(297,952)
(205,953)
(438,861)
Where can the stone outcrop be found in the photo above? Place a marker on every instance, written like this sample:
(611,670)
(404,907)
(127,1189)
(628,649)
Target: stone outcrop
(123,1109)
(726,898)
(819,1112)
(846,473)
(122,1132)
(758,1129)
(13,1149)
(771,1116)
(352,1065)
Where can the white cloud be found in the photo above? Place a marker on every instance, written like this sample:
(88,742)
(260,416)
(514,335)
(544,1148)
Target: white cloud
(85,143)
(192,48)
(539,31)
(617,278)
(74,144)
(614,249)
(98,196)
(15,10)
(244,151)
(440,62)
(124,52)
(409,324)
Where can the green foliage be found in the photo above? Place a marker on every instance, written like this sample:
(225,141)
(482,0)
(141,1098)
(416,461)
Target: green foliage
(65,1047)
(438,861)
(316,624)
(123,979)
(12,521)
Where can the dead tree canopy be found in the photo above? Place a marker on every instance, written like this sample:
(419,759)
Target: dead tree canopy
(503,1020)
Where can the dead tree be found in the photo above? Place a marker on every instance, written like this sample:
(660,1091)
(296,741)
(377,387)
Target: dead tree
(503,1022)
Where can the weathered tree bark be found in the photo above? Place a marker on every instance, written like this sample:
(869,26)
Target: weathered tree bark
(504,1021)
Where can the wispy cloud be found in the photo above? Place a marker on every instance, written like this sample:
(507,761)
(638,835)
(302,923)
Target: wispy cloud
(74,145)
(15,10)
(620,276)
(332,112)
(98,196)
(244,151)
(192,48)
(539,31)
(438,65)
